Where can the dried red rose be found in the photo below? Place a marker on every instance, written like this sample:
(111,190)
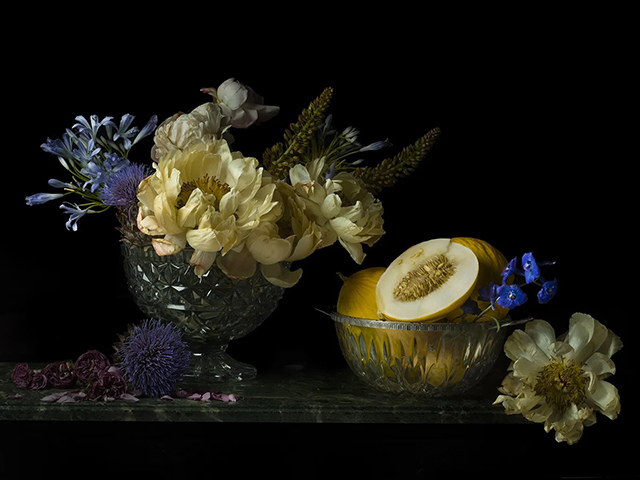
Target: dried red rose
(22,376)
(108,385)
(90,365)
(60,374)
(38,382)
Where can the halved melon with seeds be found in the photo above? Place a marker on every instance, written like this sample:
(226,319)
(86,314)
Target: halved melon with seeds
(427,281)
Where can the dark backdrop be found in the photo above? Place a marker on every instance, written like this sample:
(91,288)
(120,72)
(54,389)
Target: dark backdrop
(530,159)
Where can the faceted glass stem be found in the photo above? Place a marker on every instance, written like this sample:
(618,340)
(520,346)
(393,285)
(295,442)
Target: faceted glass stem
(212,364)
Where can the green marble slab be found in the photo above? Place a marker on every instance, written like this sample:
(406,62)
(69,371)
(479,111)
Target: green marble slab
(284,395)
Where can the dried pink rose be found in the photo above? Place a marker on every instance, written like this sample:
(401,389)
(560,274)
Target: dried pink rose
(90,365)
(108,386)
(60,374)
(38,381)
(22,376)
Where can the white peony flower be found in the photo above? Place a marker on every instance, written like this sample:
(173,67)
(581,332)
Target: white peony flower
(205,123)
(210,198)
(561,381)
(241,104)
(337,208)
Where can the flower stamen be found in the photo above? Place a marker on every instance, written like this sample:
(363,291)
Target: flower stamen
(205,183)
(562,384)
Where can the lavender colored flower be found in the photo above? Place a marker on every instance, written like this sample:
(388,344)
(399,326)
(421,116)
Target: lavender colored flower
(121,188)
(548,291)
(530,267)
(60,374)
(154,357)
(22,376)
(40,198)
(108,385)
(90,365)
(75,214)
(510,296)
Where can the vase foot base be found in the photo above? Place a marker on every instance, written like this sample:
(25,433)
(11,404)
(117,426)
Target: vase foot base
(218,367)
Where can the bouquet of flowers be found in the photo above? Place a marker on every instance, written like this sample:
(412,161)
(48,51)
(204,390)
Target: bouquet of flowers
(240,213)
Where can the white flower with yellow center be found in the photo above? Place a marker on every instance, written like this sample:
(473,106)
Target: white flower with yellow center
(561,381)
(209,198)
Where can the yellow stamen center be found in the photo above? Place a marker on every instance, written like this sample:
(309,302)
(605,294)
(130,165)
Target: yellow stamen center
(206,184)
(562,384)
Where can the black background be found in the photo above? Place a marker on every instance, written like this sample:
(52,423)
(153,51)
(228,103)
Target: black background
(534,118)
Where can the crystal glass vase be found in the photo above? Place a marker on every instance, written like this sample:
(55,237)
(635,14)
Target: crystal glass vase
(210,311)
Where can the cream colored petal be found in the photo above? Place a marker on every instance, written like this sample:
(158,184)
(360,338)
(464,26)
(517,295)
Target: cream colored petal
(331,206)
(202,261)
(511,385)
(305,246)
(237,264)
(586,335)
(148,224)
(605,398)
(542,333)
(611,345)
(190,213)
(166,214)
(204,239)
(540,414)
(146,193)
(267,247)
(168,245)
(600,364)
(299,174)
(526,369)
(519,344)
(354,249)
(347,230)
(280,276)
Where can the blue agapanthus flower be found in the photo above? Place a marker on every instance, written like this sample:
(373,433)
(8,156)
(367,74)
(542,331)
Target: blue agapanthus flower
(548,291)
(510,296)
(154,357)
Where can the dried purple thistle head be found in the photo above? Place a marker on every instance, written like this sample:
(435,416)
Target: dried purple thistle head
(154,357)
(90,364)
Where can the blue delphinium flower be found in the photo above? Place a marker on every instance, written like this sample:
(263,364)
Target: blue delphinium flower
(510,296)
(548,291)
(489,294)
(154,357)
(510,269)
(121,188)
(530,267)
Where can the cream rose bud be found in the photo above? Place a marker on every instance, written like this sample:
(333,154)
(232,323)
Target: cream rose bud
(205,123)
(241,104)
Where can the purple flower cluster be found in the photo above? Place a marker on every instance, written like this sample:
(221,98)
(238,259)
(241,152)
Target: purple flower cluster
(54,375)
(511,295)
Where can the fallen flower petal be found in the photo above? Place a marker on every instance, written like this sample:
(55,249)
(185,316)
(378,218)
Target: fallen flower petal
(53,397)
(166,398)
(127,397)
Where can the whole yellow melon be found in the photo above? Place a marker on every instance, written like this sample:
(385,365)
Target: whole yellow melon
(492,263)
(357,297)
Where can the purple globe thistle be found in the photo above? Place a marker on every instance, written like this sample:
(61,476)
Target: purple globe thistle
(154,357)
(121,188)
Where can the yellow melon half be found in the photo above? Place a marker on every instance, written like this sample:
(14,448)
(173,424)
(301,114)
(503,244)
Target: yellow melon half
(427,282)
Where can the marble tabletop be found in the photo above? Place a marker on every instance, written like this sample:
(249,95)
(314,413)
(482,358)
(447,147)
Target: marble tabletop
(283,395)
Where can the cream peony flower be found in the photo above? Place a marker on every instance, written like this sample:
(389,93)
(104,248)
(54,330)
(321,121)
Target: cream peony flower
(205,123)
(325,210)
(210,198)
(561,381)
(241,104)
